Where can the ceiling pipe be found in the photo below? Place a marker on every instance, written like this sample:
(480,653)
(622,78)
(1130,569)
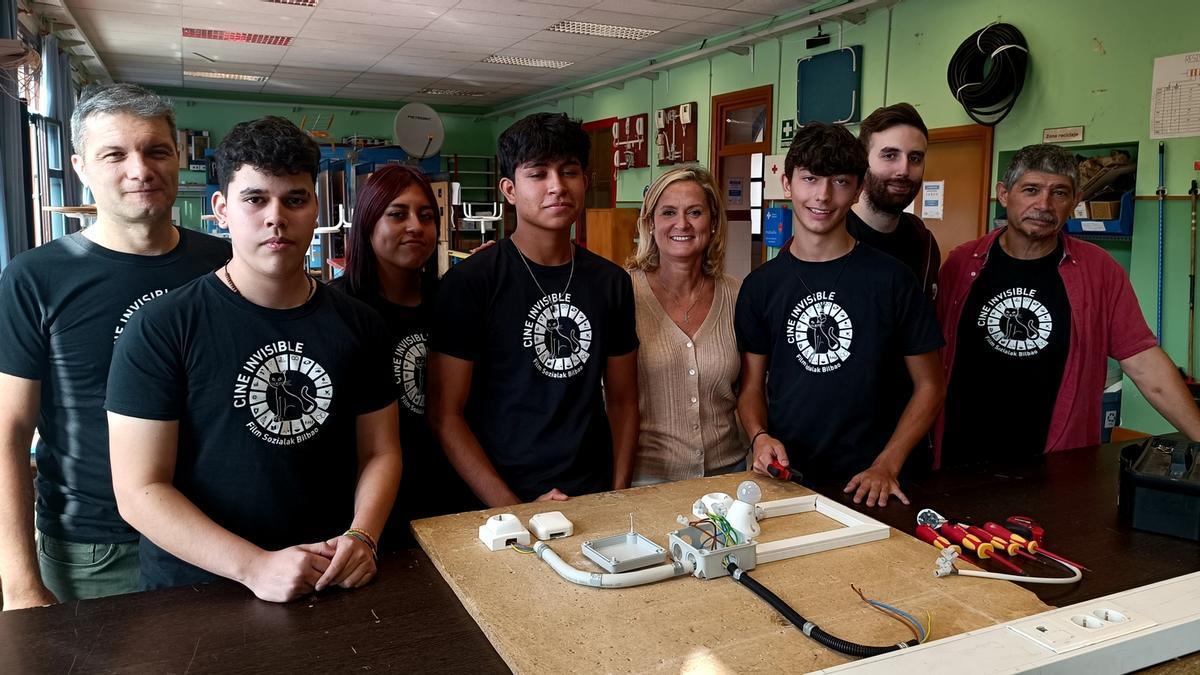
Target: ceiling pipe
(855,6)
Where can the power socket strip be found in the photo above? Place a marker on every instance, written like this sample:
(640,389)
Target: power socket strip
(1115,634)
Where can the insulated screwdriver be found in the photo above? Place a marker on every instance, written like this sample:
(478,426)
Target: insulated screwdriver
(781,472)
(1011,547)
(972,543)
(928,535)
(1026,534)
(1013,542)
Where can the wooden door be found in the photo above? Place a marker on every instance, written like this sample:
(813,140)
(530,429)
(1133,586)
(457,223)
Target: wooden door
(962,157)
(602,177)
(741,128)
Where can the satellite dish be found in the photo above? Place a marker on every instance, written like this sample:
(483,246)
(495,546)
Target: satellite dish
(419,130)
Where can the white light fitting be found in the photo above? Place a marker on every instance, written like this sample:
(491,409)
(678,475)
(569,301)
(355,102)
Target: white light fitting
(602,30)
(240,77)
(525,61)
(435,91)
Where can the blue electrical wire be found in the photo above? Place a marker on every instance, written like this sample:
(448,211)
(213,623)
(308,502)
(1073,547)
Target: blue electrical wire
(906,615)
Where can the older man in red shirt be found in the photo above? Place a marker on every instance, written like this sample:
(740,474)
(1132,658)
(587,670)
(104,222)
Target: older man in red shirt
(1030,317)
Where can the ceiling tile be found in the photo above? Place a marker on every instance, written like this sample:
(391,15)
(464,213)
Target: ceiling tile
(775,7)
(520,8)
(731,18)
(326,14)
(467,22)
(375,47)
(140,6)
(493,42)
(255,10)
(624,19)
(297,87)
(643,8)
(127,22)
(700,29)
(344,32)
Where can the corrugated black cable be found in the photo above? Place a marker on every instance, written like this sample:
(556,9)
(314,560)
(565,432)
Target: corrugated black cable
(807,627)
(987,72)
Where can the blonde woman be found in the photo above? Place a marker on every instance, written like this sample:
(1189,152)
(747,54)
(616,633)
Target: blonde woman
(688,363)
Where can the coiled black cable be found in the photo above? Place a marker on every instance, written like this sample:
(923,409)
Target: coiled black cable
(807,627)
(987,72)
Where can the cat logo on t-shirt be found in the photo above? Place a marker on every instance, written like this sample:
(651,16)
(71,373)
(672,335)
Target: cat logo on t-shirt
(560,335)
(288,393)
(822,332)
(408,365)
(1015,323)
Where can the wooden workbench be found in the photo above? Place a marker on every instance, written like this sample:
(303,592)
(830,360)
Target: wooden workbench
(405,621)
(540,623)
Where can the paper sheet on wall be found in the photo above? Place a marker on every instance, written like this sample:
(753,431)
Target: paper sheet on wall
(1175,99)
(933,194)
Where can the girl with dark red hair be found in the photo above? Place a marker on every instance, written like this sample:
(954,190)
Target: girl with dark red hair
(390,266)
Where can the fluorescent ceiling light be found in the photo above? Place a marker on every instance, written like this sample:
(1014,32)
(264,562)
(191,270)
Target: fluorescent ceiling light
(434,91)
(232,36)
(225,76)
(602,30)
(301,3)
(524,61)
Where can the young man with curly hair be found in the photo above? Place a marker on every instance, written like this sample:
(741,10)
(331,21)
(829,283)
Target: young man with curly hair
(251,415)
(821,319)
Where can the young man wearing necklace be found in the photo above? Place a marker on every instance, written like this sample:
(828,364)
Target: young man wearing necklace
(533,375)
(252,418)
(822,318)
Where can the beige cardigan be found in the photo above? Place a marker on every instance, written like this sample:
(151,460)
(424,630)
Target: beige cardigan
(686,389)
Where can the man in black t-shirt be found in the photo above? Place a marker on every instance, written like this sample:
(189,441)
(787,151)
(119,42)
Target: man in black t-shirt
(896,138)
(251,413)
(821,319)
(1013,340)
(64,306)
(533,379)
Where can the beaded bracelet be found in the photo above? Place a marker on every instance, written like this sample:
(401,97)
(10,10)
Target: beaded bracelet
(364,537)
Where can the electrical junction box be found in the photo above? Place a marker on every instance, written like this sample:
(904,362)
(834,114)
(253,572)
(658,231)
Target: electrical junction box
(623,552)
(551,525)
(688,544)
(503,530)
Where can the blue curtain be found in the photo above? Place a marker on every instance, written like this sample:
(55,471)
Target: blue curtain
(59,91)
(14,211)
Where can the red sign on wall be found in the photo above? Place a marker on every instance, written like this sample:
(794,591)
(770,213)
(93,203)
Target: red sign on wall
(676,134)
(630,147)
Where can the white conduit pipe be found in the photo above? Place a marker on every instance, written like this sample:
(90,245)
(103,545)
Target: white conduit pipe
(622,580)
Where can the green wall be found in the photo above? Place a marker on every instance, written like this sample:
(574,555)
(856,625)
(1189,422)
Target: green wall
(1091,65)
(464,135)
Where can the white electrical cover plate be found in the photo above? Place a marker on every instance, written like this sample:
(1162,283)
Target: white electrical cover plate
(1075,627)
(502,530)
(551,525)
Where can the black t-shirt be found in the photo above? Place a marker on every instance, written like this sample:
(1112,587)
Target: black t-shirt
(827,329)
(914,245)
(429,485)
(1013,339)
(536,402)
(911,243)
(64,305)
(267,402)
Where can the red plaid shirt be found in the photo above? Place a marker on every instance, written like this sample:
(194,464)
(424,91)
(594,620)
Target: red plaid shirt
(1106,321)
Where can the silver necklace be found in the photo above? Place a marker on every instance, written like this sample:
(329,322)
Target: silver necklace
(570,275)
(837,279)
(687,314)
